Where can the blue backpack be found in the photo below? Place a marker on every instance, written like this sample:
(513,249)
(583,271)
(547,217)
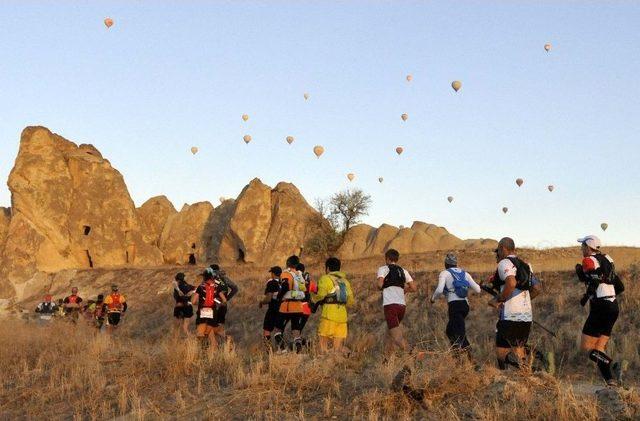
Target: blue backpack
(460,283)
(339,296)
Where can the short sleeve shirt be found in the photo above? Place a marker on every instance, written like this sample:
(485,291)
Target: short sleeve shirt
(393,295)
(517,308)
(273,287)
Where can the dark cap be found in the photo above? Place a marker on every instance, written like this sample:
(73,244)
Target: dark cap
(180,276)
(276,270)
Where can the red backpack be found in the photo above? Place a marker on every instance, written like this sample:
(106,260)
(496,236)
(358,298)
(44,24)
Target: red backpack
(209,296)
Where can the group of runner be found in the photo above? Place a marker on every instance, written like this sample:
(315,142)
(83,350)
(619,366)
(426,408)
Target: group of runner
(103,311)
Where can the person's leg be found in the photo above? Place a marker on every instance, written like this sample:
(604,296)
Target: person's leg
(296,331)
(593,340)
(323,341)
(398,339)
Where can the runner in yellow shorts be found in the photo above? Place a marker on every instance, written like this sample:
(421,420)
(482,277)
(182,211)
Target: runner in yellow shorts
(335,295)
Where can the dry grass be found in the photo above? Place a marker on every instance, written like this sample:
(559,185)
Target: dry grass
(144,371)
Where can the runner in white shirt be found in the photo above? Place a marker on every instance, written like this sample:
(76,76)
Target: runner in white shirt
(394,281)
(458,306)
(514,324)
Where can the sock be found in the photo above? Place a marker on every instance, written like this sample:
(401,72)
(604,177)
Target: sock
(604,363)
(502,365)
(513,359)
(279,340)
(298,344)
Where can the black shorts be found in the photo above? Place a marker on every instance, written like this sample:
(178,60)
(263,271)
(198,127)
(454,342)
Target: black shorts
(296,319)
(211,322)
(221,315)
(512,334)
(602,316)
(456,329)
(113,318)
(183,312)
(271,318)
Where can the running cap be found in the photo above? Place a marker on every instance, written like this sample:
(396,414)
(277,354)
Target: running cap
(592,241)
(114,287)
(276,270)
(451,259)
(180,276)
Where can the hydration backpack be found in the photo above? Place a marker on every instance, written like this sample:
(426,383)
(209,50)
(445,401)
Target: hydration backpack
(460,283)
(606,273)
(209,299)
(339,293)
(395,277)
(524,276)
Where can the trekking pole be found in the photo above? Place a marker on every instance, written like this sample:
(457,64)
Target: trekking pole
(544,328)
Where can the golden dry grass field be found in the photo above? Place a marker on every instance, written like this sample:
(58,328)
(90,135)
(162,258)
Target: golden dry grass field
(147,371)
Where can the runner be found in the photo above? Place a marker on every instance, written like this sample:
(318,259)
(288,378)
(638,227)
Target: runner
(46,309)
(229,289)
(73,305)
(208,300)
(271,293)
(335,295)
(516,287)
(454,283)
(116,306)
(99,311)
(183,310)
(306,306)
(292,295)
(394,281)
(603,284)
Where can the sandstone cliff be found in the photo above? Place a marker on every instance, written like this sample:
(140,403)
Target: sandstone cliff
(70,209)
(153,215)
(186,236)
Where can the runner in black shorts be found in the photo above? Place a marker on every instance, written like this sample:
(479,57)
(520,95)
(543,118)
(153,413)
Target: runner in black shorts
(271,292)
(598,273)
(182,293)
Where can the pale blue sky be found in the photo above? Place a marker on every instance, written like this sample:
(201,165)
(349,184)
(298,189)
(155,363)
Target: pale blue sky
(172,74)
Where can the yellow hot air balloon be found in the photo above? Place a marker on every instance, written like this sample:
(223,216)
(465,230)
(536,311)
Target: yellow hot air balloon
(547,47)
(505,210)
(318,150)
(404,117)
(450,199)
(519,182)
(604,226)
(245,117)
(290,139)
(108,22)
(351,176)
(399,150)
(306,96)
(456,85)
(194,150)
(380,179)
(550,187)
(246,139)
(409,78)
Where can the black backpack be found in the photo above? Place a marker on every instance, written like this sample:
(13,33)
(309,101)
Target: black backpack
(524,276)
(395,277)
(606,273)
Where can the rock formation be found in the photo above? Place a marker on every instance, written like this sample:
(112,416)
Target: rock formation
(366,241)
(70,209)
(267,225)
(5,219)
(154,214)
(186,236)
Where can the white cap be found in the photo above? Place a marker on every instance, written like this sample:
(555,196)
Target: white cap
(592,241)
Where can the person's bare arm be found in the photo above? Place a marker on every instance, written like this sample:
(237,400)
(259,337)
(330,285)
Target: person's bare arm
(195,298)
(509,287)
(410,287)
(380,282)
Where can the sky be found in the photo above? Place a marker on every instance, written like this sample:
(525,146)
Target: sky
(175,74)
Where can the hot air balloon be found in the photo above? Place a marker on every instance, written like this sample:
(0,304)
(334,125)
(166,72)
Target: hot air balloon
(306,96)
(194,150)
(246,139)
(519,182)
(456,85)
(505,210)
(547,47)
(351,176)
(409,78)
(380,179)
(290,139)
(399,150)
(108,22)
(318,150)
(404,117)
(604,226)
(550,188)
(222,199)
(245,117)
(450,199)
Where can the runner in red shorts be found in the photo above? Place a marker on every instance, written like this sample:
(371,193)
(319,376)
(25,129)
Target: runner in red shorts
(394,281)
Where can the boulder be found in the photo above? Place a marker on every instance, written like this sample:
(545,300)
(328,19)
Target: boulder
(186,236)
(70,209)
(5,219)
(153,215)
(266,225)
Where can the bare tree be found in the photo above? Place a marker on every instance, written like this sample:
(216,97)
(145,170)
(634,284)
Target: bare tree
(348,206)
